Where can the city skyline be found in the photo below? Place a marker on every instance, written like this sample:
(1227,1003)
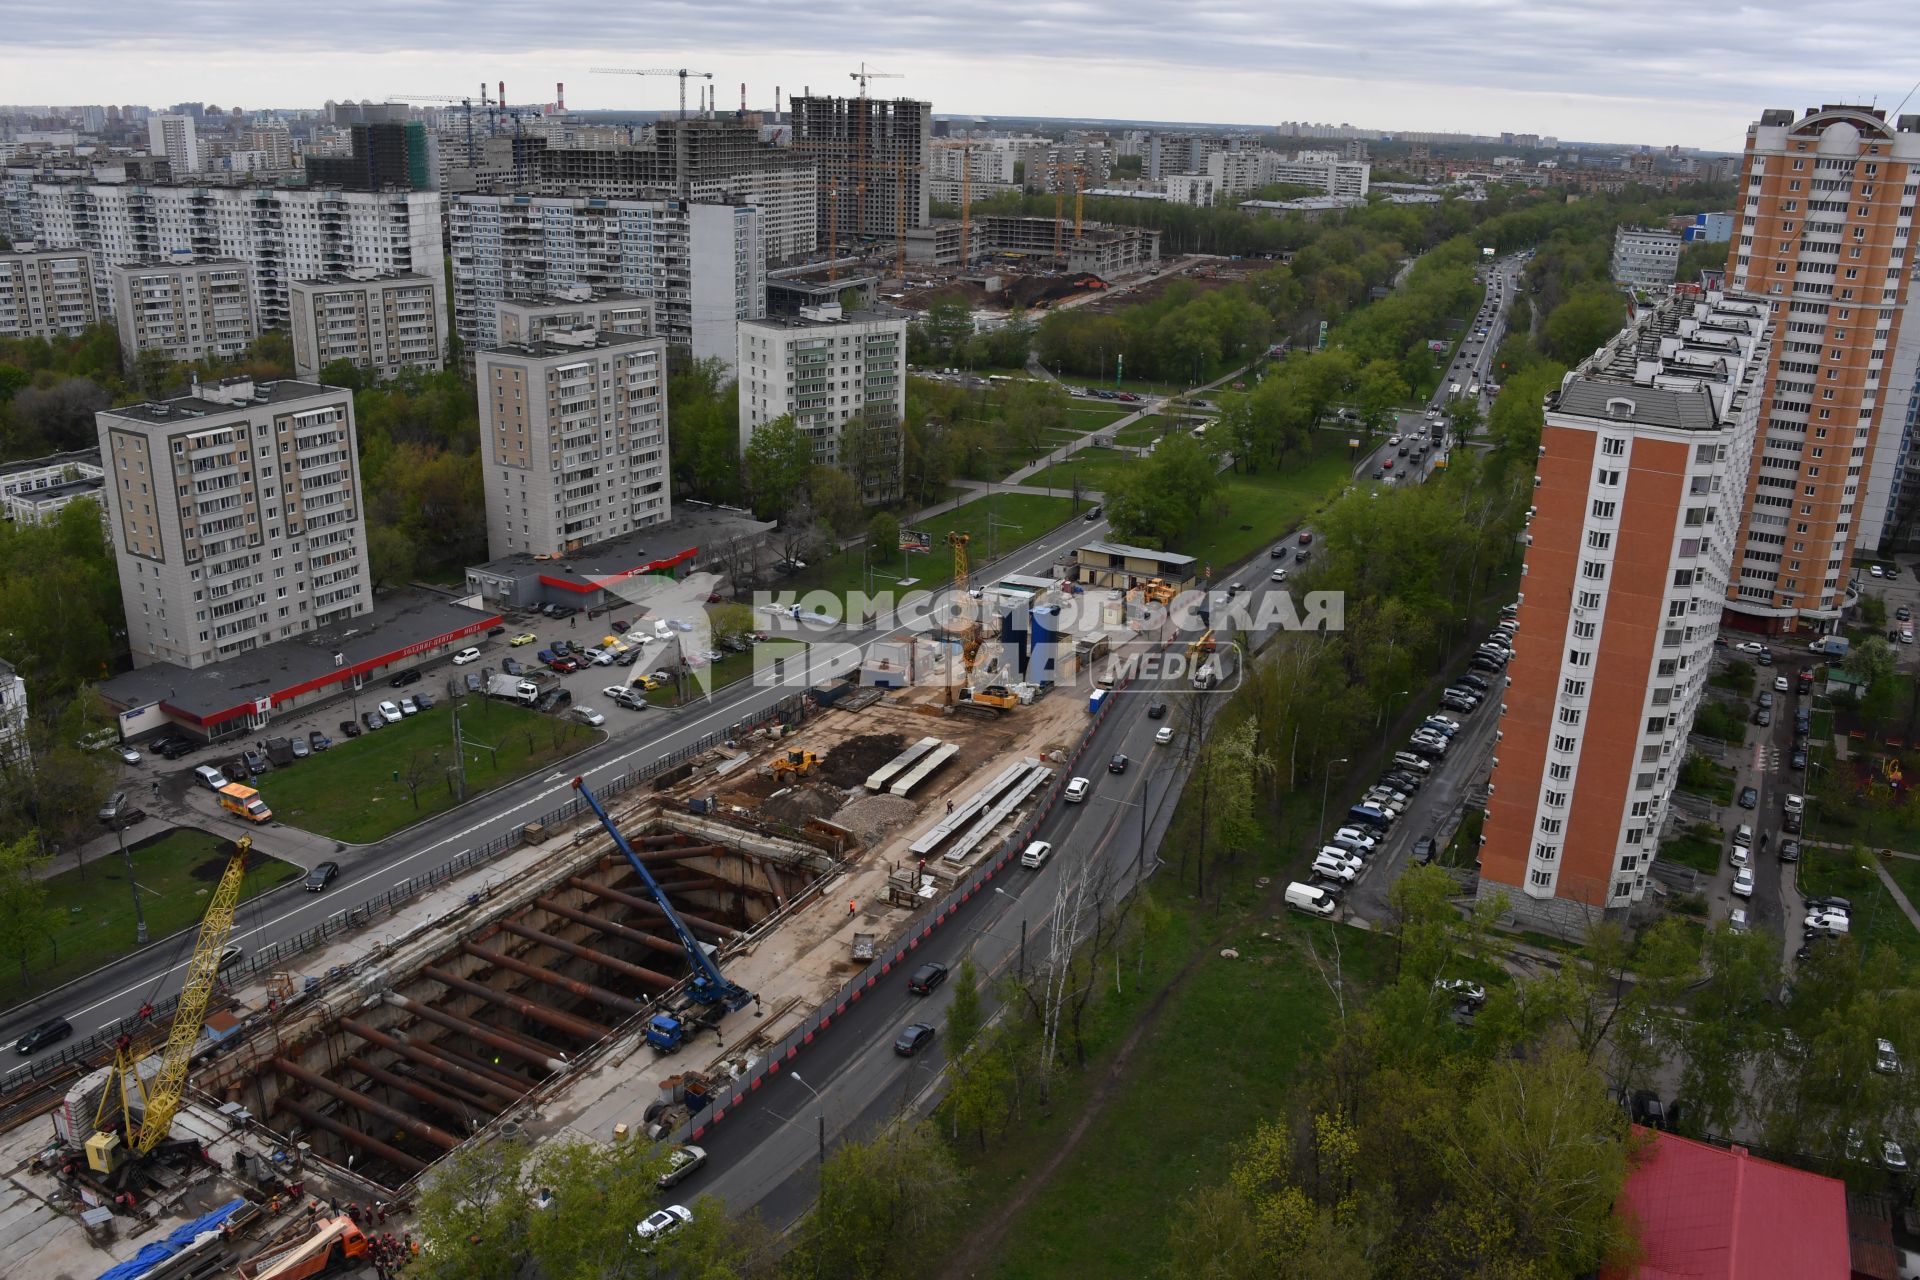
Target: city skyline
(1502,67)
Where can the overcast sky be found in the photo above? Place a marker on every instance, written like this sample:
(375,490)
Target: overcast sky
(1608,70)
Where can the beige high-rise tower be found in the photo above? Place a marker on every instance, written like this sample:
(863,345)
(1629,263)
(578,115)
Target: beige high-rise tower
(1826,218)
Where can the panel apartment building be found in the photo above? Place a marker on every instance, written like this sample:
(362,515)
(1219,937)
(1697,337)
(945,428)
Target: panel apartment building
(186,308)
(701,265)
(383,322)
(1825,235)
(1638,499)
(871,159)
(237,517)
(280,234)
(45,293)
(574,427)
(827,368)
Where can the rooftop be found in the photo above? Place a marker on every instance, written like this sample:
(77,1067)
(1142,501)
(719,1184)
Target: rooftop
(1683,363)
(78,457)
(224,396)
(564,343)
(1714,1213)
(168,261)
(399,622)
(826,317)
(1138,553)
(693,526)
(358,275)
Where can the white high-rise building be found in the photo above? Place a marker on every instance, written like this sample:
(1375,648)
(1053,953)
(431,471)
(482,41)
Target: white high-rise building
(828,368)
(573,427)
(237,517)
(379,321)
(45,293)
(174,138)
(280,234)
(701,264)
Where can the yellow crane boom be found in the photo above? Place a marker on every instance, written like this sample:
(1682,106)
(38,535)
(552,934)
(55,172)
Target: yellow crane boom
(203,971)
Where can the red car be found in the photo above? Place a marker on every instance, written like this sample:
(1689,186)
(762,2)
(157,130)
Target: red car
(1387,464)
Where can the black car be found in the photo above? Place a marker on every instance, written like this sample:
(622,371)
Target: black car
(1798,760)
(1379,474)
(372,720)
(1278,553)
(173,748)
(253,764)
(424,701)
(318,741)
(1829,904)
(349,729)
(913,1039)
(926,978)
(321,876)
(496,631)
(1763,717)
(52,1031)
(1749,798)
(1156,710)
(632,656)
(404,679)
(474,683)
(1300,556)
(1117,765)
(1474,682)
(511,666)
(1093,513)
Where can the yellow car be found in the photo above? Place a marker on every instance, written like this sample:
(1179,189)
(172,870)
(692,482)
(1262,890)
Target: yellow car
(525,637)
(649,683)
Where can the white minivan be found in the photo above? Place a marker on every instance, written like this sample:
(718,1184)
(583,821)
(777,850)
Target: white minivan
(211,778)
(1311,899)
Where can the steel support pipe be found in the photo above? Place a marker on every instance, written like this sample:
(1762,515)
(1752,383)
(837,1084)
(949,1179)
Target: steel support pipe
(442,1097)
(373,1107)
(649,977)
(528,1042)
(551,1061)
(585,990)
(648,907)
(714,884)
(612,928)
(491,1081)
(563,1022)
(372,1146)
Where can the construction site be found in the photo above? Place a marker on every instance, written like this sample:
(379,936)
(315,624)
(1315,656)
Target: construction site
(606,979)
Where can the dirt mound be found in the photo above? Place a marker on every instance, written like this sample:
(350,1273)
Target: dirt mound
(853,761)
(872,817)
(798,805)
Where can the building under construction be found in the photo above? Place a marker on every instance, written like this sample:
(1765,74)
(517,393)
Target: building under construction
(1092,247)
(871,158)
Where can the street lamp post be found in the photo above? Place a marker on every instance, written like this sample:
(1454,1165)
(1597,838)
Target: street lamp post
(1326,781)
(139,917)
(820,1181)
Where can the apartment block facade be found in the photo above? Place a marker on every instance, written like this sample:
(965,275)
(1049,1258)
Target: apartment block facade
(382,322)
(185,308)
(46,293)
(1637,506)
(1825,235)
(280,234)
(574,429)
(176,138)
(870,159)
(828,369)
(1646,257)
(701,265)
(524,320)
(237,517)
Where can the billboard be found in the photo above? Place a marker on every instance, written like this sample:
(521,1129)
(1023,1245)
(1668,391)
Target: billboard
(914,540)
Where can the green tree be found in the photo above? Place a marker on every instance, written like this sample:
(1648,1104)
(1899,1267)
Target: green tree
(836,500)
(26,921)
(474,1215)
(1156,503)
(883,533)
(885,1206)
(1378,392)
(1585,322)
(778,460)
(964,1017)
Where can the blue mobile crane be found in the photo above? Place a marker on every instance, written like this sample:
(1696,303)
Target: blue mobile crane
(708,987)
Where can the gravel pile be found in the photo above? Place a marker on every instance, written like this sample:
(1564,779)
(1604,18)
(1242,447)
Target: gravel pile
(872,817)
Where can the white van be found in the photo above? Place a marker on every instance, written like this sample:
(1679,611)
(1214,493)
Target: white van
(1454,390)
(1311,899)
(210,777)
(1036,854)
(1077,790)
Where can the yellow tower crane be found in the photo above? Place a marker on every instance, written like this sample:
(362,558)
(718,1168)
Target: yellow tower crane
(161,1098)
(967,628)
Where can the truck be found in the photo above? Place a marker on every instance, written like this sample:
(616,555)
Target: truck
(245,802)
(280,752)
(513,689)
(332,1244)
(1831,646)
(1218,665)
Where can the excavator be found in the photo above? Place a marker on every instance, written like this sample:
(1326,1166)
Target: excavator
(119,1145)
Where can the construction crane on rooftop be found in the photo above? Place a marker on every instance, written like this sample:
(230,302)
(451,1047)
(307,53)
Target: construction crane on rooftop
(865,73)
(682,72)
(108,1149)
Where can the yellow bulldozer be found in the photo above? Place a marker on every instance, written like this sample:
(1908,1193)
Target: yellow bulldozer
(796,763)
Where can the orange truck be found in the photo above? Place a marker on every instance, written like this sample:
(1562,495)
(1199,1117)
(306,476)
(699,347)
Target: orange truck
(245,801)
(333,1244)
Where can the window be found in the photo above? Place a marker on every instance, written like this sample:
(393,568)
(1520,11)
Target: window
(1584,630)
(1540,879)
(1574,688)
(1560,772)
(1610,478)
(1564,743)
(1604,510)
(1599,540)
(1613,446)
(1589,599)
(1593,569)
(1570,716)
(1579,657)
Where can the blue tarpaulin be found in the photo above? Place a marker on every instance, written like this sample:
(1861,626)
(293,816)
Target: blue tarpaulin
(160,1250)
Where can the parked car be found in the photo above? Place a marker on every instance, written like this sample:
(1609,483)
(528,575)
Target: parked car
(1749,798)
(349,729)
(681,1163)
(587,715)
(1763,717)
(127,755)
(465,656)
(1789,850)
(1743,882)
(404,679)
(300,748)
(928,976)
(524,638)
(1461,989)
(662,1223)
(408,707)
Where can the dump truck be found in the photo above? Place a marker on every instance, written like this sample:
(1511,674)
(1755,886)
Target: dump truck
(513,689)
(332,1245)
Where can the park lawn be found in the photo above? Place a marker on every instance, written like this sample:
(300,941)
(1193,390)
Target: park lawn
(1262,507)
(1876,919)
(1085,416)
(1237,1034)
(840,573)
(92,907)
(1094,467)
(1698,848)
(351,793)
(1906,874)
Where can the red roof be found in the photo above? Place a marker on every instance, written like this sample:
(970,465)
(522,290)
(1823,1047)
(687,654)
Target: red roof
(1713,1213)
